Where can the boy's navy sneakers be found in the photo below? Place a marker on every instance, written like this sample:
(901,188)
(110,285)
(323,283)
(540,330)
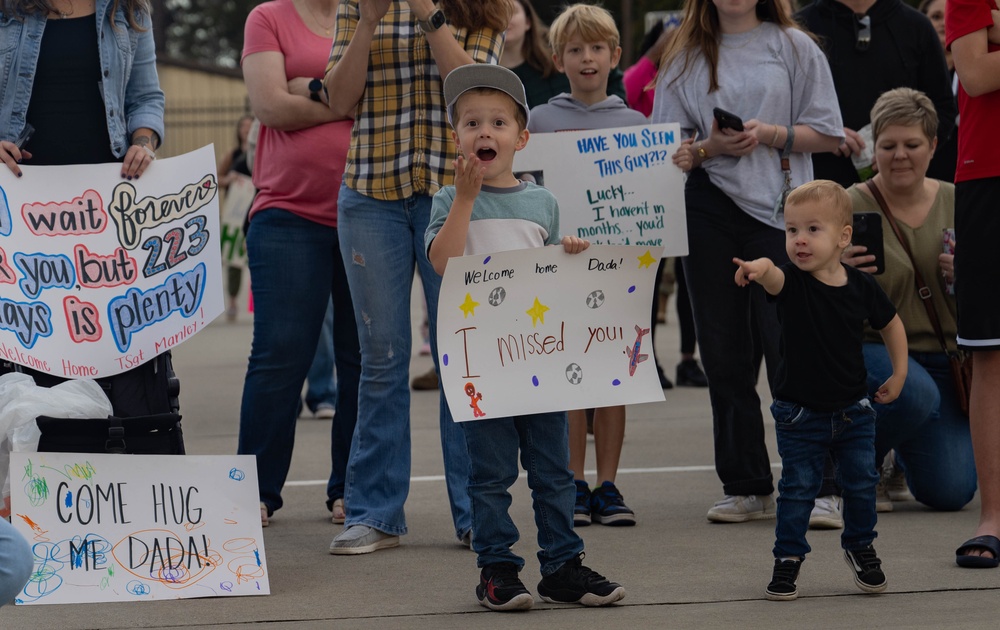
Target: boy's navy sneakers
(500,588)
(581,511)
(607,506)
(867,569)
(782,587)
(574,583)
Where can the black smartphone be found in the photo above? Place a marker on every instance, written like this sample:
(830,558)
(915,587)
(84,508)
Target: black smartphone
(727,120)
(868,232)
(25,136)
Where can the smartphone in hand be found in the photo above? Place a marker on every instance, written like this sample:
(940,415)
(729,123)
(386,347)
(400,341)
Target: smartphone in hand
(868,233)
(25,136)
(727,120)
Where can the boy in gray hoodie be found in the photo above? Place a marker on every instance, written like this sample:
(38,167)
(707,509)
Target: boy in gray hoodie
(585,45)
(584,41)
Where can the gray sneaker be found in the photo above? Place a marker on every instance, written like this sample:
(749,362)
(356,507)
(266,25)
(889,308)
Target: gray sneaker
(358,539)
(740,509)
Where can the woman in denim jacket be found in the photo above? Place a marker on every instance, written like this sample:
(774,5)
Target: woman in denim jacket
(81,76)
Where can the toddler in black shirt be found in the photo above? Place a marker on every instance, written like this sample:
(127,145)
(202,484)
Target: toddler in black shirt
(821,402)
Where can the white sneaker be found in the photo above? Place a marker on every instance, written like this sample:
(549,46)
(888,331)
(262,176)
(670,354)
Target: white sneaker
(827,513)
(325,412)
(740,509)
(895,479)
(883,502)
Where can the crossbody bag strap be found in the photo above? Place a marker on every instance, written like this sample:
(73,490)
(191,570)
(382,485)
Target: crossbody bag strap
(922,290)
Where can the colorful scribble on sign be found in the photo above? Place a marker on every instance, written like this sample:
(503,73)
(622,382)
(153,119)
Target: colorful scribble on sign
(98,274)
(122,528)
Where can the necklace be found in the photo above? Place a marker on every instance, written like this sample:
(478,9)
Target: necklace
(326,29)
(64,14)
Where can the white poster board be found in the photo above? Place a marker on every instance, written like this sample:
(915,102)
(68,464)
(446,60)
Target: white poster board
(614,186)
(121,528)
(99,274)
(238,199)
(538,330)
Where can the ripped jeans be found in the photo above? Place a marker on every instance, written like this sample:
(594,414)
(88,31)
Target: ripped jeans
(381,241)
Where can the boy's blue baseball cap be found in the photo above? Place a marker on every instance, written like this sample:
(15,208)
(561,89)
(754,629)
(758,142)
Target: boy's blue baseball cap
(482,75)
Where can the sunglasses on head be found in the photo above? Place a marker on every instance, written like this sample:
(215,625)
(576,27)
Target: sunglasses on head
(862,32)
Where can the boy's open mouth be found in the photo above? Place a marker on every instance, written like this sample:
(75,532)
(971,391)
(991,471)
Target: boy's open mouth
(486,155)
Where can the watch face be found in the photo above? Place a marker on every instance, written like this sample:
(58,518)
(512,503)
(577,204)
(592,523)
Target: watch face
(315,85)
(437,19)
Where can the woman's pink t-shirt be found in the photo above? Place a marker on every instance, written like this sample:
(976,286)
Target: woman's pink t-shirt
(298,171)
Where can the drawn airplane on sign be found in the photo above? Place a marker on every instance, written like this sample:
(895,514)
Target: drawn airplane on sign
(633,353)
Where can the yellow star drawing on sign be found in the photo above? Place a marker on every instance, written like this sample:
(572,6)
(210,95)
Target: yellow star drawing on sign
(537,312)
(468,306)
(646,260)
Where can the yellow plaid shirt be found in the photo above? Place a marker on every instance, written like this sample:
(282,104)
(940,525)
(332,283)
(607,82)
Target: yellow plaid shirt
(401,141)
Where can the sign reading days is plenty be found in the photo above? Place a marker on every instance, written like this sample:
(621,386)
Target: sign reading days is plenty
(106,528)
(99,274)
(614,186)
(538,330)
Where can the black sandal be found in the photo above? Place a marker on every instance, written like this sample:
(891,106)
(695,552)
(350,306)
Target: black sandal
(989,543)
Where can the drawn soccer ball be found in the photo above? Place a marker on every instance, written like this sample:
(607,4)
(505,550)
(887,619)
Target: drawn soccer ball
(595,299)
(574,373)
(497,296)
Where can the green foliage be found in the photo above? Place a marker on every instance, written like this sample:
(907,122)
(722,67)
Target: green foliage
(202,31)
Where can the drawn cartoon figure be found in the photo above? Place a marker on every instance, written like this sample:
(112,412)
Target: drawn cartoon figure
(474,398)
(633,353)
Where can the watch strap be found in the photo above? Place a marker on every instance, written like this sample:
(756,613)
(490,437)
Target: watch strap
(433,22)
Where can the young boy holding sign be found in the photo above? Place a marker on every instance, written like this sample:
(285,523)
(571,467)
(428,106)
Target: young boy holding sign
(585,44)
(488,210)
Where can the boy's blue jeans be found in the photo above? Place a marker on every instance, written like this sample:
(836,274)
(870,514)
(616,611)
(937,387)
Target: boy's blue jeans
(804,439)
(493,448)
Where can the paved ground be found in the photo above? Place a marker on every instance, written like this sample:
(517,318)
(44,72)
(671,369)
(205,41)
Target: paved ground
(679,570)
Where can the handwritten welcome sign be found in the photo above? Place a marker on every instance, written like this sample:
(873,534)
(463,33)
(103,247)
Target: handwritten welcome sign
(614,186)
(540,330)
(138,527)
(99,274)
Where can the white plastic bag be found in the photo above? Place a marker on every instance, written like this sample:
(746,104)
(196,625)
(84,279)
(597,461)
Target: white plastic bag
(21,401)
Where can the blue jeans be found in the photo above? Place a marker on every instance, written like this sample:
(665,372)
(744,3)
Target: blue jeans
(16,562)
(724,314)
(804,439)
(544,443)
(381,242)
(321,380)
(295,266)
(926,428)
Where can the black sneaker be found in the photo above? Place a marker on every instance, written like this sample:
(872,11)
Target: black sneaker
(867,569)
(782,586)
(574,583)
(581,511)
(500,589)
(607,506)
(690,374)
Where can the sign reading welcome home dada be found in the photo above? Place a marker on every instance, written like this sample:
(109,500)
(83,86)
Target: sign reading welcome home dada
(138,527)
(539,330)
(614,186)
(99,274)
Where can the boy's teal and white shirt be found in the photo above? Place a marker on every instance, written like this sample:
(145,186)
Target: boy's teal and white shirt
(503,219)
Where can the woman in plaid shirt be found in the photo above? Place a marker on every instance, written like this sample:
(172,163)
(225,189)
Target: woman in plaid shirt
(386,70)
